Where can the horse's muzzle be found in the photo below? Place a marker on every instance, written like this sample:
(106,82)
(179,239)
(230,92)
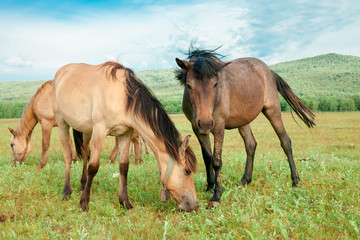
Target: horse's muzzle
(188,203)
(205,126)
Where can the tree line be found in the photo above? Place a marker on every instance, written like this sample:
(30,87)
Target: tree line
(328,104)
(322,104)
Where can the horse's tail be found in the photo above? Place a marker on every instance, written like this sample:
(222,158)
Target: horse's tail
(304,113)
(78,140)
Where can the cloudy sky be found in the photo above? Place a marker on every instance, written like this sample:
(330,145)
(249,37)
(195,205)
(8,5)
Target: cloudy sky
(38,37)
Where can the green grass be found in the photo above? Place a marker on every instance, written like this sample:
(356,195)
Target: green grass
(325,206)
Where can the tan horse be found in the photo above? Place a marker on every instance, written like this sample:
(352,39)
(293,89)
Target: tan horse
(38,110)
(225,95)
(109,99)
(137,149)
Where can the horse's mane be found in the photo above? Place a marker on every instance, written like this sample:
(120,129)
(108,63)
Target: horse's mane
(148,108)
(28,112)
(206,64)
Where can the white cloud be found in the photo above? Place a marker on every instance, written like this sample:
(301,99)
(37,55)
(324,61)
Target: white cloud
(17,61)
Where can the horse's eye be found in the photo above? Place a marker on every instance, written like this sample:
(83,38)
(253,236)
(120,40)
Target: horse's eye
(189,87)
(215,85)
(187,172)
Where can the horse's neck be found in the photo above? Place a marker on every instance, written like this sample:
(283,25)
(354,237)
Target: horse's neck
(157,145)
(28,121)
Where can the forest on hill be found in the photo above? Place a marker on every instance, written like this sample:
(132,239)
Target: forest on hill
(329,82)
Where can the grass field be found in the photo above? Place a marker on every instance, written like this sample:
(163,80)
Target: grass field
(325,206)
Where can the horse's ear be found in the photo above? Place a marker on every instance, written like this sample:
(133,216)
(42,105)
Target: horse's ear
(12,131)
(184,65)
(224,64)
(184,145)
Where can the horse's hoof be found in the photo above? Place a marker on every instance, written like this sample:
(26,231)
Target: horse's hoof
(40,166)
(84,205)
(210,188)
(127,205)
(212,204)
(67,192)
(244,182)
(296,181)
(138,161)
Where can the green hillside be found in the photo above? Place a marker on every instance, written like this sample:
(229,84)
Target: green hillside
(330,75)
(324,75)
(18,91)
(163,84)
(324,82)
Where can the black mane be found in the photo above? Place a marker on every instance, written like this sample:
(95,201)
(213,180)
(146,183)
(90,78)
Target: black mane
(206,64)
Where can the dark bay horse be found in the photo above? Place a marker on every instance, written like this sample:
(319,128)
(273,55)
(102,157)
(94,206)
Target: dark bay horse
(108,99)
(225,95)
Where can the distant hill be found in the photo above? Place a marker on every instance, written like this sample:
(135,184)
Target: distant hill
(330,75)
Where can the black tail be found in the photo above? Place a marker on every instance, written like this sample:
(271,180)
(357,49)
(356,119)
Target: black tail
(304,113)
(78,140)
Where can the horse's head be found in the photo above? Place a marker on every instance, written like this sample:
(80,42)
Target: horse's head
(200,78)
(179,181)
(20,147)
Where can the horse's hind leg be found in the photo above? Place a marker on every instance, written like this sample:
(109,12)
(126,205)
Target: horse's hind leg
(137,150)
(73,154)
(274,116)
(46,128)
(64,139)
(86,155)
(97,140)
(124,144)
(114,152)
(250,146)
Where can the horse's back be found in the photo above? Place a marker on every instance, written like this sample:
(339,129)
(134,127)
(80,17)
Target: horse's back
(248,80)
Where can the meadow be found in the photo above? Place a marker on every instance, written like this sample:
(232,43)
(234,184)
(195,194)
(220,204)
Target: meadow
(324,206)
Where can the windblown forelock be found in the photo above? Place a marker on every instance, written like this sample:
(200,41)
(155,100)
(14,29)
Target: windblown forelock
(205,64)
(190,160)
(206,67)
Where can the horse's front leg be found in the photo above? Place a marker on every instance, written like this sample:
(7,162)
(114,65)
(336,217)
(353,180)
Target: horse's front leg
(205,144)
(97,140)
(217,164)
(124,145)
(46,128)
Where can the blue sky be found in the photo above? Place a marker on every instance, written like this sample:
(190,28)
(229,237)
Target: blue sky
(38,37)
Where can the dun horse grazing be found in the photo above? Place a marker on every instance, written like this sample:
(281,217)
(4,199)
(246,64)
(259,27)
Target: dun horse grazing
(225,95)
(38,110)
(109,99)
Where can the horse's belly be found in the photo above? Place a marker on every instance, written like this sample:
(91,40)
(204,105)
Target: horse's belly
(118,130)
(241,119)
